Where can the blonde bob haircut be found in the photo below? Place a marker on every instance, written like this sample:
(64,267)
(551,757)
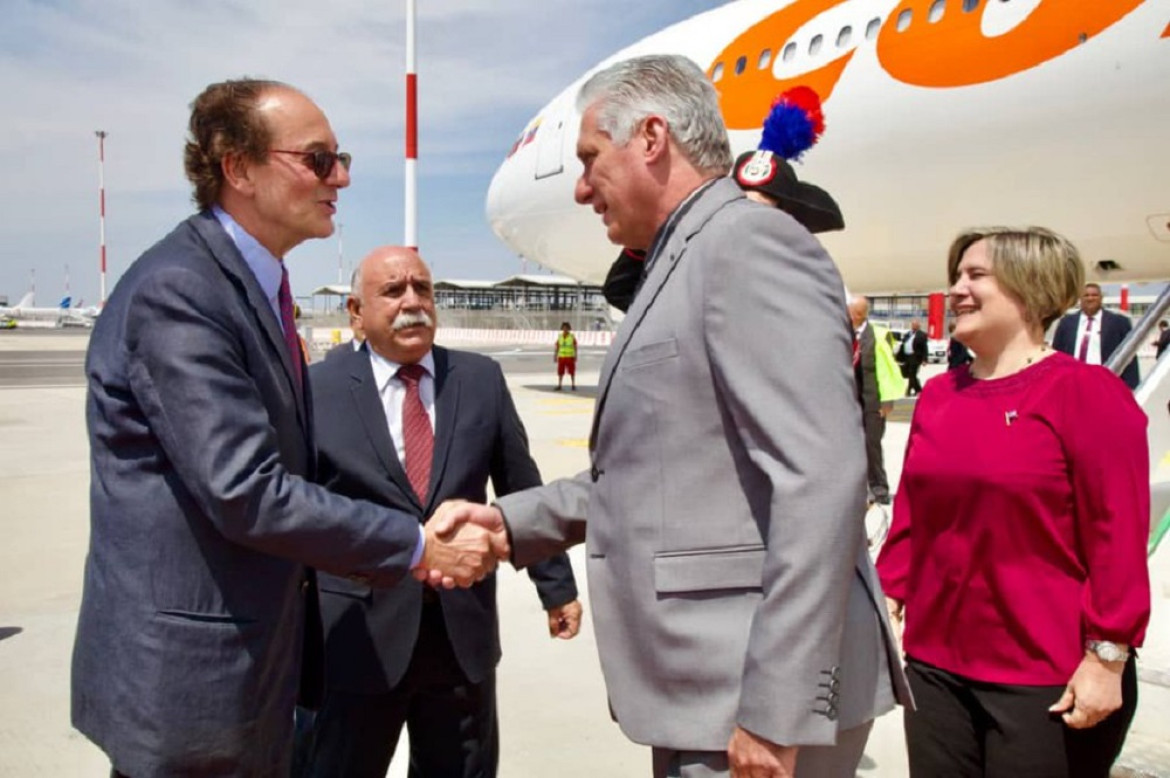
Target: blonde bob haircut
(1036,266)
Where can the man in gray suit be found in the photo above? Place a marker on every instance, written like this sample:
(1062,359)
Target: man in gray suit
(198,620)
(739,620)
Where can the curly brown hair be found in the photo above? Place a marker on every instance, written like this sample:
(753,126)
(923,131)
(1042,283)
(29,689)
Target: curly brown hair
(224,121)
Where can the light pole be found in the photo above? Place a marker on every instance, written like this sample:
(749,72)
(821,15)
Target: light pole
(340,255)
(411,172)
(101,136)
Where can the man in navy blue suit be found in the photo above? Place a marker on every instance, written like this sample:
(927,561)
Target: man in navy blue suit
(410,655)
(1093,334)
(199,620)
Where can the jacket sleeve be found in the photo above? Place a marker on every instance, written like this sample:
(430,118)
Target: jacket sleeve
(512,470)
(188,372)
(779,343)
(1108,462)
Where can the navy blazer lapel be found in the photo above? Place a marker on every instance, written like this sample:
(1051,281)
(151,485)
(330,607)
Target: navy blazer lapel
(224,251)
(706,205)
(447,385)
(367,402)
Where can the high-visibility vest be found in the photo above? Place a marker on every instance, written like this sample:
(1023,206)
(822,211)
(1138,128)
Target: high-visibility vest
(566,346)
(890,383)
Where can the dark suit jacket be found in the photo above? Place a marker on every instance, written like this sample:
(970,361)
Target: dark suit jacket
(370,635)
(865,373)
(1114,328)
(1163,343)
(189,640)
(918,351)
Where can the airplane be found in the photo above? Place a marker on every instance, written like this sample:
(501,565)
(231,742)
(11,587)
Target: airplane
(25,313)
(940,115)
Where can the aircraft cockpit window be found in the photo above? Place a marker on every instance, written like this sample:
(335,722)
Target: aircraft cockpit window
(904,19)
(970,5)
(789,52)
(740,65)
(814,46)
(872,29)
(844,36)
(717,73)
(765,59)
(936,11)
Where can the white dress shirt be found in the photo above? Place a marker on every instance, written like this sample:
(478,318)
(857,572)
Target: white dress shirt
(1094,355)
(393,391)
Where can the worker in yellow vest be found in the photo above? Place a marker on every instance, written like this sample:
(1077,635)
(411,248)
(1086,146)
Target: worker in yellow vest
(566,356)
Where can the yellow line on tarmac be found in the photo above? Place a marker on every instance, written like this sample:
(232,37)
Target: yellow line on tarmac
(573,442)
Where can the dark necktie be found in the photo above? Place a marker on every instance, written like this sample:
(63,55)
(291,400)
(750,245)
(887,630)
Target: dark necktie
(856,348)
(1083,351)
(291,341)
(417,436)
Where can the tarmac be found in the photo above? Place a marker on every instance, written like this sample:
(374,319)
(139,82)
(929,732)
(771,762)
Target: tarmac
(554,719)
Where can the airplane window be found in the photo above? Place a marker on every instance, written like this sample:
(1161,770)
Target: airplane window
(936,11)
(871,29)
(717,73)
(789,52)
(765,59)
(740,64)
(844,36)
(904,19)
(814,46)
(970,5)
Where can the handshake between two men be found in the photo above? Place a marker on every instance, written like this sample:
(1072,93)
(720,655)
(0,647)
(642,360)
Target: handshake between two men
(464,543)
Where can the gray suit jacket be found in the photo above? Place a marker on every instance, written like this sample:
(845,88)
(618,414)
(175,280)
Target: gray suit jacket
(196,597)
(727,566)
(370,635)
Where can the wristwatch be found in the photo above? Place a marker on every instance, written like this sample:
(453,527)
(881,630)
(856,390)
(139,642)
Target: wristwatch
(1107,651)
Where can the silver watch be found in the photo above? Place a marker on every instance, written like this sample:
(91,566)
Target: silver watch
(1106,651)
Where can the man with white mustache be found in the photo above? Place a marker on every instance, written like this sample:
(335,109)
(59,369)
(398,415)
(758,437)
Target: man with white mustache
(408,425)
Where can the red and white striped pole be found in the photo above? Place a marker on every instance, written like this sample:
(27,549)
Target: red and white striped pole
(411,177)
(101,136)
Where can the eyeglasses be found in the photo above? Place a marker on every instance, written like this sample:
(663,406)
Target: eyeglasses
(321,162)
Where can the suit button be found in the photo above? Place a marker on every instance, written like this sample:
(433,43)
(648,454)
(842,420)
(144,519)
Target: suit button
(304,587)
(595,473)
(831,713)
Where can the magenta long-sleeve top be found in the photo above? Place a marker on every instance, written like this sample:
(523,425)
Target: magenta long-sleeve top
(1021,522)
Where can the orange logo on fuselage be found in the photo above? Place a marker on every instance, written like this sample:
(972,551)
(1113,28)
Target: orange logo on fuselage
(948,52)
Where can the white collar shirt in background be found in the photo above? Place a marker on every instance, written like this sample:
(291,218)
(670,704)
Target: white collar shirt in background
(1094,355)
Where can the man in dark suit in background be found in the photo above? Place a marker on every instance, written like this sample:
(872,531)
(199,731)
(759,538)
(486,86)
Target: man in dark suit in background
(410,654)
(196,599)
(873,410)
(911,353)
(1093,334)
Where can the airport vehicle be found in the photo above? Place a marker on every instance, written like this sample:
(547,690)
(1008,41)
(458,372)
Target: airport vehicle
(7,323)
(940,114)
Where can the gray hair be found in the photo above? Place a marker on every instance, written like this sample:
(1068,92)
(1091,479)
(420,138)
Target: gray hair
(666,85)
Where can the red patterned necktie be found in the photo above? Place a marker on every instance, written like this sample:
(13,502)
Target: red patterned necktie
(856,349)
(417,436)
(288,322)
(1083,351)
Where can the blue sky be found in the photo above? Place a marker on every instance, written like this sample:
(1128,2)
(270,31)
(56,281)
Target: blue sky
(70,67)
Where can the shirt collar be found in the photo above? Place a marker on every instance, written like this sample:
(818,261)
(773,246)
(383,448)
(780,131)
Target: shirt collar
(385,369)
(267,268)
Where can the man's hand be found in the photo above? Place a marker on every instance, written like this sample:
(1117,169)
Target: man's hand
(564,622)
(751,756)
(464,541)
(885,409)
(1092,693)
(896,609)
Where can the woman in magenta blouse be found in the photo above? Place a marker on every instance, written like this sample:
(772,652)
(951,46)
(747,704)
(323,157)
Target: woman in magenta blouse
(1017,551)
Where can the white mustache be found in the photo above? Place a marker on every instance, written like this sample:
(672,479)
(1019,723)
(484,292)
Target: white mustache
(407,319)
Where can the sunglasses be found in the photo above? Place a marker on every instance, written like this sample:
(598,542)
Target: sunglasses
(320,162)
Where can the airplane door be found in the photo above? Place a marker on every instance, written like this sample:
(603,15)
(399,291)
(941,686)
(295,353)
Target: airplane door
(550,141)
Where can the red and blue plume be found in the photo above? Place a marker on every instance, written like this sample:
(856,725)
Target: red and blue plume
(794,123)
